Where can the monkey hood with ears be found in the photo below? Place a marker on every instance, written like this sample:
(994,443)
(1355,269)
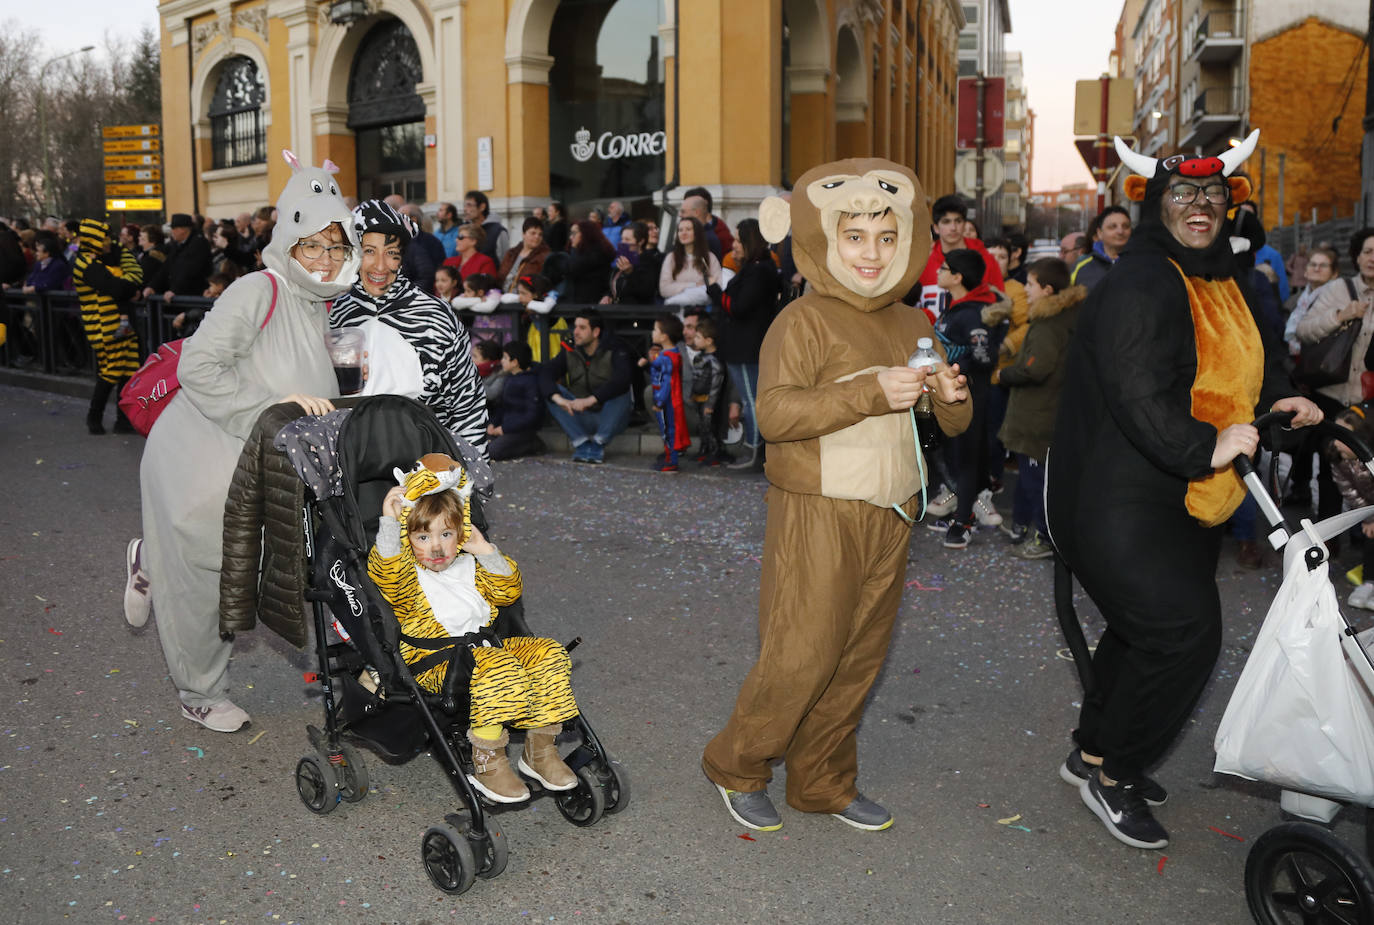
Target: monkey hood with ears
(821,408)
(859,185)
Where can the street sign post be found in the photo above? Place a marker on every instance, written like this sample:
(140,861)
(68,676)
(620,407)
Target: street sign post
(966,175)
(993,109)
(133,167)
(119,145)
(133,205)
(151,130)
(1087,107)
(132,160)
(1112,100)
(132,190)
(132,174)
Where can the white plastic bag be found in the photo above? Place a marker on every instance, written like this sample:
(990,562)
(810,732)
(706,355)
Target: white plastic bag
(1300,717)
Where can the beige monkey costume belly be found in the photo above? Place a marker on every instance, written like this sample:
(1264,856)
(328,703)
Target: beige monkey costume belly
(834,550)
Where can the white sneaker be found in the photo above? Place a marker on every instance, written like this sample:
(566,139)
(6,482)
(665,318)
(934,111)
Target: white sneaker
(982,509)
(137,603)
(943,504)
(1363,596)
(220,717)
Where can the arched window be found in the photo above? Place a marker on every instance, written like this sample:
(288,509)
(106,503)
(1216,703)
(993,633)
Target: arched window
(387,115)
(236,130)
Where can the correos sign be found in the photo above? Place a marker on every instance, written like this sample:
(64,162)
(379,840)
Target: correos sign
(610,147)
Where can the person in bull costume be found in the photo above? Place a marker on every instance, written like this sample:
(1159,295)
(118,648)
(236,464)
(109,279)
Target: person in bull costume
(1166,371)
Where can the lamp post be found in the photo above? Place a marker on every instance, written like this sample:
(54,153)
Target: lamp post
(50,206)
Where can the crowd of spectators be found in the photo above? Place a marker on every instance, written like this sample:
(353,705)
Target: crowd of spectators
(580,367)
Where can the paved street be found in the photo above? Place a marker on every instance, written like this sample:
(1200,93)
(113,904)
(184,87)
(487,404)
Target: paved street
(115,809)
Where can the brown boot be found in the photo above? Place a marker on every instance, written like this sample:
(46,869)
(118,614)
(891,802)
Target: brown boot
(493,775)
(541,761)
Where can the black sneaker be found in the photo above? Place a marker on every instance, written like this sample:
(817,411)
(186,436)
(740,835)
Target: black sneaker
(1075,771)
(1124,812)
(958,535)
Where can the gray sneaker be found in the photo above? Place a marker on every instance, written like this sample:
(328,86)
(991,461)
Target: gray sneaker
(223,716)
(753,809)
(863,813)
(1035,546)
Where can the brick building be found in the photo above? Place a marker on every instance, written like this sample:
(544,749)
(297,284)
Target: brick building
(1307,75)
(1208,71)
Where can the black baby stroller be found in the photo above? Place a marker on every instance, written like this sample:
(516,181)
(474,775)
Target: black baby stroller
(1302,717)
(400,719)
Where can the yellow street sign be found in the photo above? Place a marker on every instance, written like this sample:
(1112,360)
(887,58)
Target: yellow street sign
(131,131)
(1087,110)
(133,144)
(130,174)
(133,205)
(133,160)
(133,189)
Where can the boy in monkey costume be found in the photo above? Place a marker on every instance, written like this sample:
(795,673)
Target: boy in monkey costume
(832,402)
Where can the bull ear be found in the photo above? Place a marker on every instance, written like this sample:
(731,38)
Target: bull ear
(775,219)
(291,159)
(330,166)
(1240,188)
(1135,187)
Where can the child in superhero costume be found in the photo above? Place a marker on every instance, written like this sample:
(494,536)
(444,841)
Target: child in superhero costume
(832,403)
(1165,372)
(665,381)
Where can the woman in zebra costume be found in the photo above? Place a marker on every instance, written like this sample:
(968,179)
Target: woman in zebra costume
(450,384)
(104,280)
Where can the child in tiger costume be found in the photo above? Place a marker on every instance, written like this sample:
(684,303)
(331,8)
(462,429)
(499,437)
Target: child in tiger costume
(445,582)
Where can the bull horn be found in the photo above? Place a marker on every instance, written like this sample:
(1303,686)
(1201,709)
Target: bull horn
(1236,156)
(1138,163)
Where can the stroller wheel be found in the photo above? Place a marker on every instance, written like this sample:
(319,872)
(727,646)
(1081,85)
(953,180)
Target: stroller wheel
(352,775)
(315,784)
(616,787)
(584,804)
(491,852)
(448,859)
(1300,873)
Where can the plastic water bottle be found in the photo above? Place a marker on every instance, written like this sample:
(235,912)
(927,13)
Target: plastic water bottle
(925,355)
(926,358)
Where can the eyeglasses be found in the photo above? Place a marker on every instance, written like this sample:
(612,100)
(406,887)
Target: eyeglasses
(1314,265)
(313,250)
(944,268)
(1184,194)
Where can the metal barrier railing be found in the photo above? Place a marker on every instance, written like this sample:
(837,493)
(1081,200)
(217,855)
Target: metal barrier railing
(45,332)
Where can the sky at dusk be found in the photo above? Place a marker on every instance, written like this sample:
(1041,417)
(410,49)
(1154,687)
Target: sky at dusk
(1060,43)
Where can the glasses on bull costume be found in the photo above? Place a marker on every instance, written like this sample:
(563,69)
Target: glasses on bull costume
(1183,194)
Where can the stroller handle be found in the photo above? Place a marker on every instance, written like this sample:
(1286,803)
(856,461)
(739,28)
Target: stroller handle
(1274,420)
(1270,424)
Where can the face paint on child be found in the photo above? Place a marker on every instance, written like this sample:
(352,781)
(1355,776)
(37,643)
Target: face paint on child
(436,546)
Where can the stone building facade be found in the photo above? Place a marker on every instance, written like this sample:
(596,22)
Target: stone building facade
(527,100)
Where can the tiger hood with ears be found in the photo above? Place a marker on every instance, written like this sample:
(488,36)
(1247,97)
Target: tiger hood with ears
(865,185)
